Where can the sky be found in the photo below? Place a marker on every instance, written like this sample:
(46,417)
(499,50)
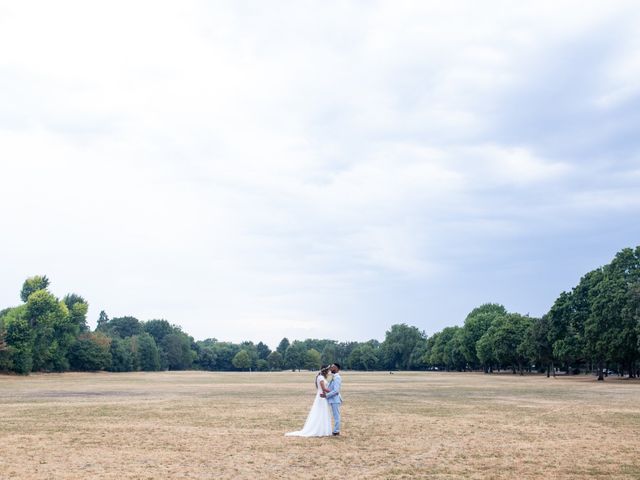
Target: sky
(252,170)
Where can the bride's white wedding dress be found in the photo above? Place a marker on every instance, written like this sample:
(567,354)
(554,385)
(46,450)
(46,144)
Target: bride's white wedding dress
(318,422)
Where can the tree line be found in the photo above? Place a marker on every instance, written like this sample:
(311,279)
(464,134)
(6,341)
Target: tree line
(595,327)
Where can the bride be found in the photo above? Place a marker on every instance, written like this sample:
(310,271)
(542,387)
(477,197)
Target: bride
(318,422)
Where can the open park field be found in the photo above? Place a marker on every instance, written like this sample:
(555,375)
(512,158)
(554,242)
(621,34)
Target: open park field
(200,425)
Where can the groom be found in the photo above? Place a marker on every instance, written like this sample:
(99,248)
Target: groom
(333,397)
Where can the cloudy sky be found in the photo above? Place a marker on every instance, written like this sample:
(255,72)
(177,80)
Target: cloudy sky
(253,170)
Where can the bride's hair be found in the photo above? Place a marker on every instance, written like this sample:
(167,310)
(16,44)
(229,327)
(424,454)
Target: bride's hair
(324,370)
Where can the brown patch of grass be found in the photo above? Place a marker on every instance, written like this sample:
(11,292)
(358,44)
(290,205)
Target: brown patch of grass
(199,425)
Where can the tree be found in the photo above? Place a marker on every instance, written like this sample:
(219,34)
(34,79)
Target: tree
(282,346)
(275,361)
(103,320)
(445,351)
(242,360)
(417,357)
(263,351)
(121,355)
(596,319)
(123,327)
(329,354)
(146,351)
(40,305)
(476,324)
(252,350)
(177,347)
(312,360)
(609,334)
(484,350)
(159,329)
(206,357)
(91,352)
(597,322)
(343,350)
(53,331)
(399,344)
(78,308)
(5,350)
(19,338)
(33,284)
(620,288)
(566,323)
(319,344)
(295,355)
(223,352)
(506,339)
(537,345)
(364,357)
(634,309)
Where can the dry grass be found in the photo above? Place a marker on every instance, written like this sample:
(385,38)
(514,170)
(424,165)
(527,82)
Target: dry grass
(201,425)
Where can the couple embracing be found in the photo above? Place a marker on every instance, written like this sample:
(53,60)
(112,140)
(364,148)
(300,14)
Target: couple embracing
(318,423)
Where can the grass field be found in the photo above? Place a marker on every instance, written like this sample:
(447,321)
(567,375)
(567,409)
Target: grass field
(200,425)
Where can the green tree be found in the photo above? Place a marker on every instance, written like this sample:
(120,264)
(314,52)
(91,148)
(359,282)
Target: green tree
(33,284)
(145,352)
(485,352)
(19,338)
(103,320)
(610,334)
(476,324)
(454,351)
(312,360)
(242,360)
(621,282)
(123,327)
(364,357)
(121,355)
(446,350)
(329,354)
(177,347)
(225,352)
(159,329)
(275,361)
(252,350)
(53,331)
(537,345)
(594,319)
(206,357)
(78,308)
(295,355)
(5,350)
(343,350)
(399,344)
(91,352)
(634,309)
(507,339)
(263,351)
(282,346)
(565,334)
(262,365)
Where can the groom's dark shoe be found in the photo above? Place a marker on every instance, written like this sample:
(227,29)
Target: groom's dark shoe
(335,434)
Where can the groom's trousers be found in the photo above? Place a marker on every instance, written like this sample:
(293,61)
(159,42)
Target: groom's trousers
(335,409)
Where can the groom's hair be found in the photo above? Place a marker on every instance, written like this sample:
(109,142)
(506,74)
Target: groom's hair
(337,365)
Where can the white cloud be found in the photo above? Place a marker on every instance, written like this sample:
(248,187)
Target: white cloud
(241,168)
(516,166)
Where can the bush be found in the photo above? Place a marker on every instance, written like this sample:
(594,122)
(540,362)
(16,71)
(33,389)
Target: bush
(91,352)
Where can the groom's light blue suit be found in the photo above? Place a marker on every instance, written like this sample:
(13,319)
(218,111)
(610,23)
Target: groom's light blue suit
(335,400)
